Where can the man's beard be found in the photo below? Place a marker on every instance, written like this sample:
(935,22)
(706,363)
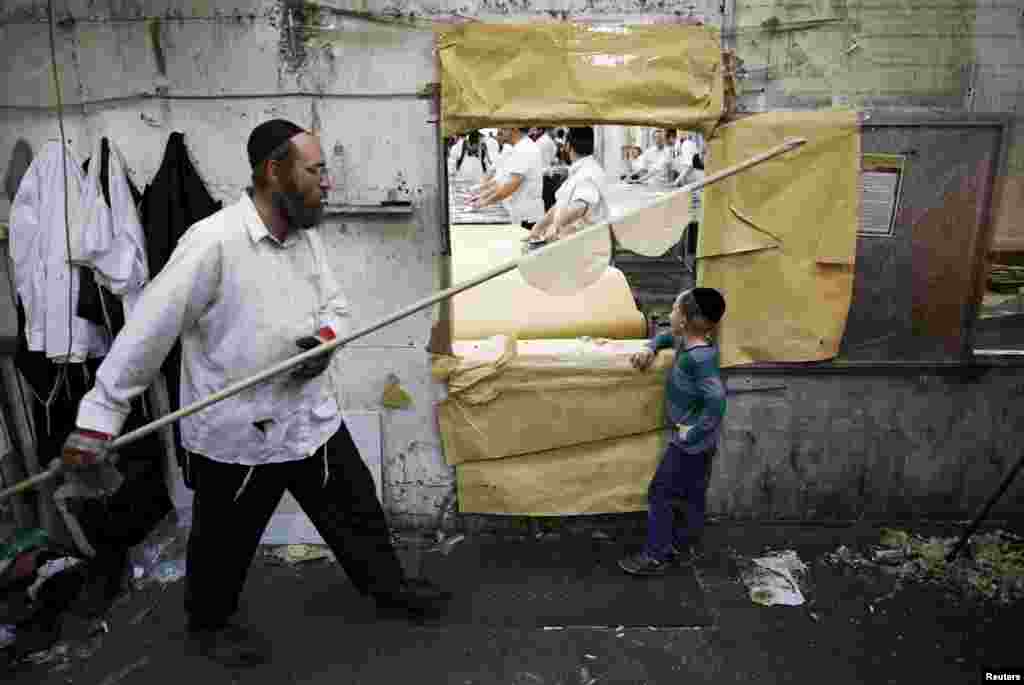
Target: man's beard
(293,207)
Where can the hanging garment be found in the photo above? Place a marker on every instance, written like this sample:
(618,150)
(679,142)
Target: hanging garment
(95,302)
(47,284)
(174,200)
(109,239)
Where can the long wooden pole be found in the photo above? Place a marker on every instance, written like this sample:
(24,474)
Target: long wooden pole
(56,466)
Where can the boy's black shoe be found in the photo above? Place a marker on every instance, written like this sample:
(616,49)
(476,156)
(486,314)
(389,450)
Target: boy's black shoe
(232,645)
(641,564)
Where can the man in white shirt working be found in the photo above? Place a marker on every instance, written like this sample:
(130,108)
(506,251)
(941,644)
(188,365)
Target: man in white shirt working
(656,161)
(690,167)
(246,288)
(582,199)
(687,151)
(547,146)
(520,183)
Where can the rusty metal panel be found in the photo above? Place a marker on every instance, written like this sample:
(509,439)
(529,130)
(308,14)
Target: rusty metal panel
(914,290)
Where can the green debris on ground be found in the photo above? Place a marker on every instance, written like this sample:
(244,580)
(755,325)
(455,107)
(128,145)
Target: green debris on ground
(990,568)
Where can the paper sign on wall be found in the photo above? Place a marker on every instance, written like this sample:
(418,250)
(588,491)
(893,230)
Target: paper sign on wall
(881,181)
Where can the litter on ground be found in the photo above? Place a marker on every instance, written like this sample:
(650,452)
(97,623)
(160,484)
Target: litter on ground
(773,579)
(991,568)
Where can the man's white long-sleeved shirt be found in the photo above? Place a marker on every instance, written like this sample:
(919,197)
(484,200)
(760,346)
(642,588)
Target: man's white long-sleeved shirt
(238,299)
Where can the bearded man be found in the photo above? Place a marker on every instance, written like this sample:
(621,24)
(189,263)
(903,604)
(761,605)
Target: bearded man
(245,289)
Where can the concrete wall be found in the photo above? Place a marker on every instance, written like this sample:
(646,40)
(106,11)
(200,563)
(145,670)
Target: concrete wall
(885,443)
(138,70)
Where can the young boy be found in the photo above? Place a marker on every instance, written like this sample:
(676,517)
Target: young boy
(695,405)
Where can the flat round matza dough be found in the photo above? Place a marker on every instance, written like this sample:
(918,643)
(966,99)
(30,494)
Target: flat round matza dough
(571,264)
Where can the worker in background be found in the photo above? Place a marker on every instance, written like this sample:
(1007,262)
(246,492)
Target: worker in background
(686,160)
(554,170)
(689,167)
(631,156)
(582,199)
(519,185)
(493,145)
(469,159)
(245,289)
(656,162)
(546,144)
(694,406)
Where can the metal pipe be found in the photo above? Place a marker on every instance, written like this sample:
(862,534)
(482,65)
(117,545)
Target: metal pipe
(993,498)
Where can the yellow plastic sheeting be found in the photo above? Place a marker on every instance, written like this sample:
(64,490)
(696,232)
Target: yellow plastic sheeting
(519,74)
(780,240)
(610,476)
(545,394)
(508,305)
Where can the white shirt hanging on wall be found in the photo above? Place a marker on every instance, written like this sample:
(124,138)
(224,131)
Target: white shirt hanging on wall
(38,246)
(109,239)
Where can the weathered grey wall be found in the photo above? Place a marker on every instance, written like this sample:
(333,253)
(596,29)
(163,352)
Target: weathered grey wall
(933,54)
(880,444)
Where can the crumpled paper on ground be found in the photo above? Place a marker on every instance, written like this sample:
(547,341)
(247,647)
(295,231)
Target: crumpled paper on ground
(773,579)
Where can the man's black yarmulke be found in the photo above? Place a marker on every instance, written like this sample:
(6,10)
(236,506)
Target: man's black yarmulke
(711,303)
(267,136)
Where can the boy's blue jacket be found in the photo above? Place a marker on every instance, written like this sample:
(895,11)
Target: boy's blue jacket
(694,394)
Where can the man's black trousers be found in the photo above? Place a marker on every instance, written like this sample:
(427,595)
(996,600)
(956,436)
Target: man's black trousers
(228,521)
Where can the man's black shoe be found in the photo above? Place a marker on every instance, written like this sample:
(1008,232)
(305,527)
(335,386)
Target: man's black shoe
(416,597)
(232,645)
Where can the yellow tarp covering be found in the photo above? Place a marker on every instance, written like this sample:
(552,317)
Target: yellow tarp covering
(609,476)
(780,239)
(506,399)
(518,74)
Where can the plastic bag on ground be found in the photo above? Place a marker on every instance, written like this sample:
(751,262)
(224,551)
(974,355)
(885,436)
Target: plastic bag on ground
(161,556)
(773,579)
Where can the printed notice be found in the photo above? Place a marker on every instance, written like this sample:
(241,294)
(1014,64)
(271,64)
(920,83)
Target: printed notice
(880,180)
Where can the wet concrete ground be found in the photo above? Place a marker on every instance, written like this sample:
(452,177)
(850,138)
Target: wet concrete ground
(853,629)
